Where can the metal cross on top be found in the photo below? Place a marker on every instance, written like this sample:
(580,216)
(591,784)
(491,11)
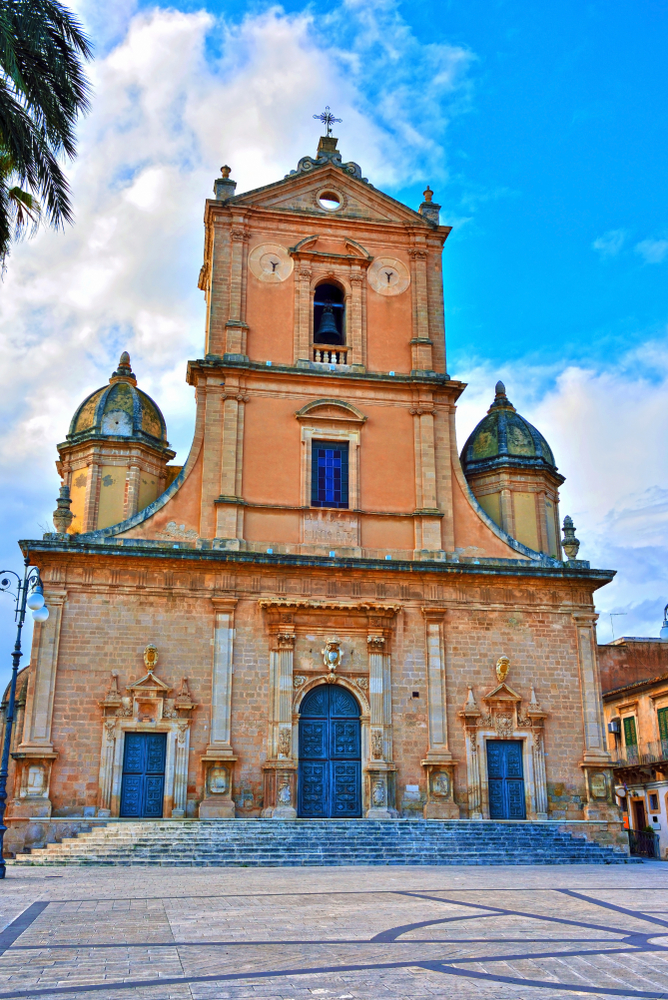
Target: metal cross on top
(328,119)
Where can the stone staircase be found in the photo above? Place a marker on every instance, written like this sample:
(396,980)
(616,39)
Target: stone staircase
(251,843)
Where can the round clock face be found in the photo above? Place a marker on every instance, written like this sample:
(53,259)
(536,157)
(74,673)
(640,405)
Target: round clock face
(388,276)
(270,262)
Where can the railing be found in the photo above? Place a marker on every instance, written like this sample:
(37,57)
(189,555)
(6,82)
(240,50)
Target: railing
(330,355)
(644,844)
(643,753)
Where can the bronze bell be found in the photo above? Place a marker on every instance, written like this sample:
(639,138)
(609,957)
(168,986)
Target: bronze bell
(327,332)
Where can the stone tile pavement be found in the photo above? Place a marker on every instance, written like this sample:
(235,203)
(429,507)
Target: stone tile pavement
(513,933)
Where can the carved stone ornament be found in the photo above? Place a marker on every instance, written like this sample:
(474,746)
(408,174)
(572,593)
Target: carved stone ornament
(284,792)
(362,683)
(599,785)
(218,780)
(376,643)
(378,793)
(377,745)
(284,743)
(299,681)
(502,667)
(36,780)
(331,655)
(285,640)
(151,657)
(440,784)
(388,276)
(270,262)
(570,544)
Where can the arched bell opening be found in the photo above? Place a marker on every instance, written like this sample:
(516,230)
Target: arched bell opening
(329,315)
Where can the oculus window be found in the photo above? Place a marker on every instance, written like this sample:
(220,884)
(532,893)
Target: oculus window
(329,315)
(329,474)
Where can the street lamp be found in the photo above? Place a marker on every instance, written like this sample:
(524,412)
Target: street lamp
(28,595)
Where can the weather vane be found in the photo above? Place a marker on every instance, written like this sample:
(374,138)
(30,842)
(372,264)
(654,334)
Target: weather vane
(328,119)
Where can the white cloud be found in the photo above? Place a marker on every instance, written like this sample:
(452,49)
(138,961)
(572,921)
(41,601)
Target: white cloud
(653,251)
(610,243)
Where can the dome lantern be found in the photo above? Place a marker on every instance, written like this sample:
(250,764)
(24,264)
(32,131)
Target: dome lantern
(114,459)
(513,475)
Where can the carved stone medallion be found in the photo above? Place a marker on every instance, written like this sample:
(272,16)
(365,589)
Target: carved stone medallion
(270,262)
(388,276)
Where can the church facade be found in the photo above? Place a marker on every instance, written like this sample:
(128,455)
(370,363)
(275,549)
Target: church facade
(326,611)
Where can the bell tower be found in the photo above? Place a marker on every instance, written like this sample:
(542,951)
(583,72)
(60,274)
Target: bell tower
(325,410)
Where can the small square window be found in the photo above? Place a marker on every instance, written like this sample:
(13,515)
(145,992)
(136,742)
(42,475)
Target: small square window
(329,474)
(654,802)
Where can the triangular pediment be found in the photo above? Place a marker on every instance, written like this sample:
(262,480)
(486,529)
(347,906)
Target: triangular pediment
(502,692)
(150,684)
(300,192)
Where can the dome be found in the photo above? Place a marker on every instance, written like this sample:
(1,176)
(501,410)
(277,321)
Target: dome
(504,438)
(119,409)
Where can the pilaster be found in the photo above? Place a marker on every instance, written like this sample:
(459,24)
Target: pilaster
(218,760)
(438,763)
(427,520)
(280,768)
(380,767)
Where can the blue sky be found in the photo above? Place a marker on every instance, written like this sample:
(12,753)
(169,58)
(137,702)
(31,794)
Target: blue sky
(541,129)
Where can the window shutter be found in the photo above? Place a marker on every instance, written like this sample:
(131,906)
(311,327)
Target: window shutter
(663,724)
(630,735)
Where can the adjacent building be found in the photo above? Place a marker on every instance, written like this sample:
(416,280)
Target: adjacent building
(634,677)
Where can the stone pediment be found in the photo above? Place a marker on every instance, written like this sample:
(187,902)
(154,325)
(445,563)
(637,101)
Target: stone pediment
(149,685)
(331,409)
(300,192)
(503,693)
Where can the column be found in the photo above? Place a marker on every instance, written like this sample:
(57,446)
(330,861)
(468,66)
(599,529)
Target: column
(303,310)
(218,761)
(438,763)
(379,767)
(132,491)
(470,715)
(92,500)
(236,328)
(354,321)
(427,524)
(596,763)
(421,345)
(595,744)
(211,396)
(42,684)
(36,748)
(230,511)
(109,730)
(221,686)
(282,765)
(182,750)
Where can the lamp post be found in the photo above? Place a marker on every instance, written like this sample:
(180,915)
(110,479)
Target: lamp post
(28,595)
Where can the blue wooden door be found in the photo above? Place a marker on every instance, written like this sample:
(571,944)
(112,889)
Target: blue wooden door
(143,784)
(505,776)
(330,767)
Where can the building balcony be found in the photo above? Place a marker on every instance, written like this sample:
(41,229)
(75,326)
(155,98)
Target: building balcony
(642,755)
(330,354)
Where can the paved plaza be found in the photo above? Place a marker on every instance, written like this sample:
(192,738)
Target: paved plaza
(520,933)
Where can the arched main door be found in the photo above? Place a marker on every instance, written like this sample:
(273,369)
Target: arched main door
(330,766)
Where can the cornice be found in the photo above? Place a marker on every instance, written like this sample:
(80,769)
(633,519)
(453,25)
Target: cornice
(138,548)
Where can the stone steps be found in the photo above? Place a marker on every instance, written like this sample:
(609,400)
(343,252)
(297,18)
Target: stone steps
(257,843)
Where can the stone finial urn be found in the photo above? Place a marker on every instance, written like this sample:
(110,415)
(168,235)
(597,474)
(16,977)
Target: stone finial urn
(62,515)
(570,544)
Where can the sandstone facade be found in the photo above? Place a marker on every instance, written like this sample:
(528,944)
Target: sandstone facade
(210,616)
